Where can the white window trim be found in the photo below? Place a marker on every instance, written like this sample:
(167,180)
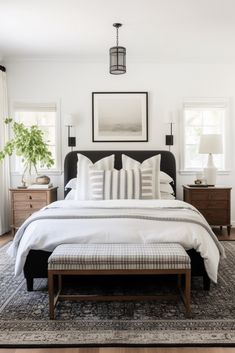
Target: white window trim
(203,102)
(43,102)
(192,172)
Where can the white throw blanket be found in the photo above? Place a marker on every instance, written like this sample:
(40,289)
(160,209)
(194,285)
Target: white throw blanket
(117,221)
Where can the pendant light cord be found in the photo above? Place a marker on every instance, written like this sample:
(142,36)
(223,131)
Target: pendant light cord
(117,36)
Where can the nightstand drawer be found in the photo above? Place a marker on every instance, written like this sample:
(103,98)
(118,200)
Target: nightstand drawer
(209,194)
(207,204)
(29,196)
(219,195)
(216,217)
(33,205)
(199,195)
(20,217)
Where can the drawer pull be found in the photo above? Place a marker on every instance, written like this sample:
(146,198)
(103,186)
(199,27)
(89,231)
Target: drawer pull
(30,206)
(30,197)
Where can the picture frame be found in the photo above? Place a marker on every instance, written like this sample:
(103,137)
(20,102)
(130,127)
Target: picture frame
(119,116)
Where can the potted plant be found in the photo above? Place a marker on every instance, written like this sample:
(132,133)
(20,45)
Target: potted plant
(27,143)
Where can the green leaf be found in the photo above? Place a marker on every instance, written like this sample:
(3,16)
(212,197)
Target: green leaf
(29,144)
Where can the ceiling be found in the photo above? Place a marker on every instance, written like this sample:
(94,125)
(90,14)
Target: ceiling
(153,30)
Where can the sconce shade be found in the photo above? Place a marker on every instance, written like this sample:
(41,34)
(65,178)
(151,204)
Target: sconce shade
(211,143)
(71,141)
(169,140)
(69,120)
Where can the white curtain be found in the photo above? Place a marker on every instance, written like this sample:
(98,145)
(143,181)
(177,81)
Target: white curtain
(4,165)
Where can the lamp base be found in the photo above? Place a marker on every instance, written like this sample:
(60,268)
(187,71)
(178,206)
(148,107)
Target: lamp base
(210,175)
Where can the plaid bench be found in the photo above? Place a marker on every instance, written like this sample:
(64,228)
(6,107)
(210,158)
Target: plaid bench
(117,259)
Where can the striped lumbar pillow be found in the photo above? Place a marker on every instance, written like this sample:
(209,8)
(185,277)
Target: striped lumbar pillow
(121,184)
(152,162)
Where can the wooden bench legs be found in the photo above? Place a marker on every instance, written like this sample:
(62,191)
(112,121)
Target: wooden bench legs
(54,289)
(186,292)
(53,296)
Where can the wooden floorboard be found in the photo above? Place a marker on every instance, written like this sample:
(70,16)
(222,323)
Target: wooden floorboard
(4,239)
(120,350)
(224,235)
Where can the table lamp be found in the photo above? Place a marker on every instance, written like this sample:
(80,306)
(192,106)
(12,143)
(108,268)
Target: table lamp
(210,144)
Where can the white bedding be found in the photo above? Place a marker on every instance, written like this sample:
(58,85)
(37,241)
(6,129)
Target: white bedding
(117,221)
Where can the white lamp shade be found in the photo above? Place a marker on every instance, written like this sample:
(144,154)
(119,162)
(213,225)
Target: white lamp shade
(69,120)
(211,143)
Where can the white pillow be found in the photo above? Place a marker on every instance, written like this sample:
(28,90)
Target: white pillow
(72,184)
(121,184)
(70,195)
(165,178)
(166,188)
(83,182)
(166,196)
(152,162)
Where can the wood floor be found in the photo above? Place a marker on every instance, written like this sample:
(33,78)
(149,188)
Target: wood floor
(7,237)
(224,236)
(121,350)
(4,239)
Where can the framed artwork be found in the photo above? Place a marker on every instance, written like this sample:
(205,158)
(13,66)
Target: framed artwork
(119,116)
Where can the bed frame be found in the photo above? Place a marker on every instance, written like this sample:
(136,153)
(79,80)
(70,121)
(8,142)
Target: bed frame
(36,262)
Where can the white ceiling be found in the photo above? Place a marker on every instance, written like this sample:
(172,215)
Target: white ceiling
(154,30)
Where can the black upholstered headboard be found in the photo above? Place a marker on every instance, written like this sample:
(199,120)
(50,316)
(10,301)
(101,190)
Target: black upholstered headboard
(167,161)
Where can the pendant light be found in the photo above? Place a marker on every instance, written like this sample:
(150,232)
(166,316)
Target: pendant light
(117,56)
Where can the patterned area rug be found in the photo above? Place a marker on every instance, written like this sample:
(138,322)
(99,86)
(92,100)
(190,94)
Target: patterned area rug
(24,315)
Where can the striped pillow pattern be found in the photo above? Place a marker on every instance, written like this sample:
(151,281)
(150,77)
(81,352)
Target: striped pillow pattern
(121,184)
(152,162)
(83,187)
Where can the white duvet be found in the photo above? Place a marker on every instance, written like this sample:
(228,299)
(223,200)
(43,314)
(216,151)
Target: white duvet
(117,221)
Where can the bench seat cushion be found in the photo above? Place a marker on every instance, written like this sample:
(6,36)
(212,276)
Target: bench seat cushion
(119,257)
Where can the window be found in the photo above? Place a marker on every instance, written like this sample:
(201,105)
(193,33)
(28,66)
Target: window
(202,118)
(45,116)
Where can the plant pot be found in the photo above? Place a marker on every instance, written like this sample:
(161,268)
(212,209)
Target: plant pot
(29,177)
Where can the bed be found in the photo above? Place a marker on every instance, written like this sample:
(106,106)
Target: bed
(35,264)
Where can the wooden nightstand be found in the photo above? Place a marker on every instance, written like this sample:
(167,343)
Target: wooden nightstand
(213,202)
(25,202)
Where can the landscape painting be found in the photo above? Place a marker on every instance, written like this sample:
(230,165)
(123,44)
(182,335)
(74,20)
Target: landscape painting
(120,116)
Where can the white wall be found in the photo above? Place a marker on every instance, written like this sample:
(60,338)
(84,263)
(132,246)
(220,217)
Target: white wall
(167,84)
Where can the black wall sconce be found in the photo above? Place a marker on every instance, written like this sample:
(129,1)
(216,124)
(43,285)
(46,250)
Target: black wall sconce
(170,138)
(70,122)
(71,140)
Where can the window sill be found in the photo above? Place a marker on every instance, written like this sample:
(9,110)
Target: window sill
(41,172)
(194,172)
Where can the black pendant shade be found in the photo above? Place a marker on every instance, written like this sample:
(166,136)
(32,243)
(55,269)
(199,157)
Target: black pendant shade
(117,65)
